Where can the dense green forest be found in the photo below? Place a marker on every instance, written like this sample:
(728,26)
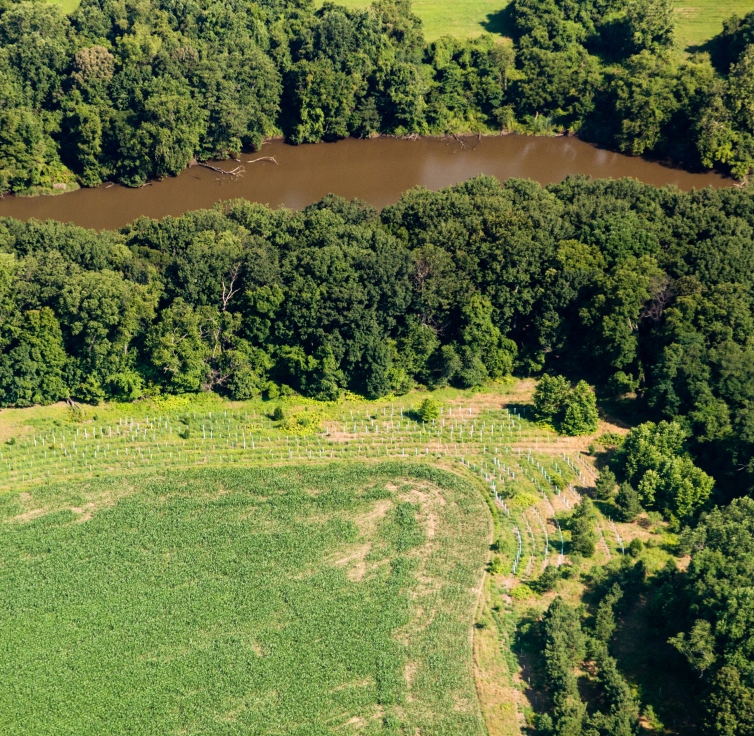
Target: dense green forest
(128,90)
(640,291)
(704,613)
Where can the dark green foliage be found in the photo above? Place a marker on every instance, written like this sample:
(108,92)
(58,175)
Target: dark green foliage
(628,503)
(547,580)
(710,612)
(604,618)
(136,91)
(628,287)
(605,485)
(635,547)
(564,648)
(622,717)
(581,524)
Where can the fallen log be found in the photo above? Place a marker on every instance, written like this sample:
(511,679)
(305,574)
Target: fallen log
(264,158)
(233,172)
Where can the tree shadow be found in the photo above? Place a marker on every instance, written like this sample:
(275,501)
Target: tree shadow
(500,23)
(527,647)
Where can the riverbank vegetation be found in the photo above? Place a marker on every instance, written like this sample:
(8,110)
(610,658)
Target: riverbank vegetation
(643,293)
(137,91)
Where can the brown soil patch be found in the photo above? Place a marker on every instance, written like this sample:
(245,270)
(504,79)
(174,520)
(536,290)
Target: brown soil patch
(34,508)
(367,522)
(355,560)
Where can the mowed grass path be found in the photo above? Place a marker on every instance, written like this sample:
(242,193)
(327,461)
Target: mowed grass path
(301,601)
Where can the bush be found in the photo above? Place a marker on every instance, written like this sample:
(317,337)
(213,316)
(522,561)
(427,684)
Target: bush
(429,410)
(581,416)
(547,580)
(278,415)
(572,410)
(636,547)
(583,536)
(606,484)
(627,501)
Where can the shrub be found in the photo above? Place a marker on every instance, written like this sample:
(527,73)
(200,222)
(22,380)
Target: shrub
(627,501)
(429,410)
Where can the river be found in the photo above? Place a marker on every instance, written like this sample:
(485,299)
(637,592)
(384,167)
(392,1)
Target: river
(376,170)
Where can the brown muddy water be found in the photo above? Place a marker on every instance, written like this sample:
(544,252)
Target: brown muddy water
(376,170)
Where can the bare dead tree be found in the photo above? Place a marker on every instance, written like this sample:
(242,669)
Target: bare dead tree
(230,291)
(662,294)
(233,173)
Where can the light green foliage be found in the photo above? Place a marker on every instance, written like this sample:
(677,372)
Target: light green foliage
(572,410)
(550,396)
(429,410)
(653,457)
(581,416)
(699,648)
(226,602)
(700,20)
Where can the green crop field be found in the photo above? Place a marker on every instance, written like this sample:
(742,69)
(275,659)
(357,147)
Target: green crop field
(191,565)
(305,601)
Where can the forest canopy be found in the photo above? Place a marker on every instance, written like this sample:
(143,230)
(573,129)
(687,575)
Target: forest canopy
(126,91)
(638,291)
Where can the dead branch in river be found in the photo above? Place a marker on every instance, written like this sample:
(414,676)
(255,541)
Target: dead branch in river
(264,158)
(233,172)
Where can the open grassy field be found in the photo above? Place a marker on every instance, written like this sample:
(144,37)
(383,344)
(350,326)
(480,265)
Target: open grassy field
(320,600)
(697,20)
(700,20)
(462,18)
(191,565)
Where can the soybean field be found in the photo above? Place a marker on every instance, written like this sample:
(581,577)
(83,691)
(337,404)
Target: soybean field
(308,600)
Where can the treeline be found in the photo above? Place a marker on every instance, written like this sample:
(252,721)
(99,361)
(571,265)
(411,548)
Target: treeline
(126,91)
(637,290)
(703,612)
(708,610)
(566,645)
